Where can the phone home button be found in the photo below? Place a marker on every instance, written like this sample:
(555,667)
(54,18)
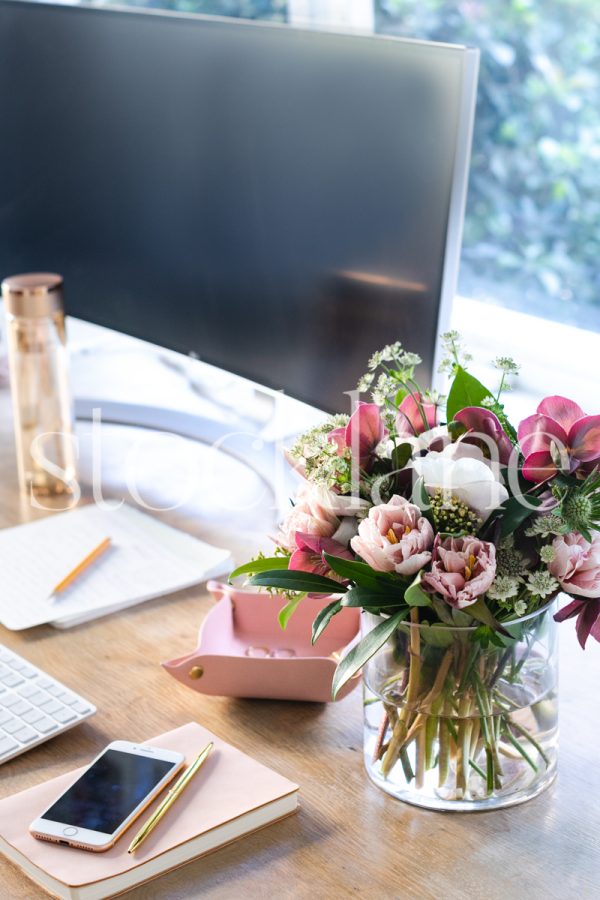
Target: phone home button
(70,832)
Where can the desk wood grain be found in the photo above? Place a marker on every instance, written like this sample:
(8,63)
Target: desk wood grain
(349,839)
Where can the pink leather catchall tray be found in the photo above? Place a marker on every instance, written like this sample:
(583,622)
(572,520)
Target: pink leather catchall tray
(243,651)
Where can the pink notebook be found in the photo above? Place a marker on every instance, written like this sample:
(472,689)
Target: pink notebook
(231,796)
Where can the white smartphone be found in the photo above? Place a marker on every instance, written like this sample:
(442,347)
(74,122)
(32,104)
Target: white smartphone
(119,784)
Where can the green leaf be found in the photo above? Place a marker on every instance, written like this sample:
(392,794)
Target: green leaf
(513,513)
(361,573)
(465,391)
(370,599)
(421,498)
(480,612)
(461,619)
(401,455)
(323,619)
(295,580)
(364,650)
(444,612)
(260,565)
(455,430)
(286,612)
(400,395)
(436,635)
(415,595)
(484,635)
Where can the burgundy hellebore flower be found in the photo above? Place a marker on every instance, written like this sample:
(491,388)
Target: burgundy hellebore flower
(409,419)
(558,431)
(588,618)
(463,569)
(482,427)
(309,555)
(364,432)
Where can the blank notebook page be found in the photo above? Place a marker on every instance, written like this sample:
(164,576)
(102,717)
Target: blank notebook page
(145,559)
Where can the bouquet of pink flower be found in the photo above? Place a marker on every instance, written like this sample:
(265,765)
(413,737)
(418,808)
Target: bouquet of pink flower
(454,532)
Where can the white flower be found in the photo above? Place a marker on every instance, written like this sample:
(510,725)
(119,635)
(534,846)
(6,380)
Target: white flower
(425,440)
(542,584)
(503,588)
(421,441)
(545,526)
(466,478)
(547,554)
(365,382)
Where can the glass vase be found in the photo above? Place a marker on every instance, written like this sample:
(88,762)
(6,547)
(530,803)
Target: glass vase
(452,724)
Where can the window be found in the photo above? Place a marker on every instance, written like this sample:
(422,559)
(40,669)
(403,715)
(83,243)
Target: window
(532,229)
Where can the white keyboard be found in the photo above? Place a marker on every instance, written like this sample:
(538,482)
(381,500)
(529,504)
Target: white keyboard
(33,706)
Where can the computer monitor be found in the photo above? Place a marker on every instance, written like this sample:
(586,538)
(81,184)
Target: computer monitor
(278,202)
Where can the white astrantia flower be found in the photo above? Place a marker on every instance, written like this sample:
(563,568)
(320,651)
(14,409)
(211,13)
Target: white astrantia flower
(544,526)
(365,382)
(504,587)
(456,471)
(547,554)
(542,584)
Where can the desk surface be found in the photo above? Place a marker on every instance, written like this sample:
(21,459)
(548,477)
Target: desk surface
(349,838)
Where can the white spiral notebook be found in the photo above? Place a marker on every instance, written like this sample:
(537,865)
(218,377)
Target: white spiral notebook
(146,559)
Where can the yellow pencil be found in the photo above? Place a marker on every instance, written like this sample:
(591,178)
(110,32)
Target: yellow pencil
(81,567)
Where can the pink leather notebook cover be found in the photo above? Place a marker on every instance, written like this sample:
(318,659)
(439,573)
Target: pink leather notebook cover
(228,785)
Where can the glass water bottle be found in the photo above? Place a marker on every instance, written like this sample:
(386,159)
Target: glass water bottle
(40,383)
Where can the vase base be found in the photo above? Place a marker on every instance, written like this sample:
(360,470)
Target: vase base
(435,801)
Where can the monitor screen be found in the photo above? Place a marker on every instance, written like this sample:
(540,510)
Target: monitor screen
(280,203)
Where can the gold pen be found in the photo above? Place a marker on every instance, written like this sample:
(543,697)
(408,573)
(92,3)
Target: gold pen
(171,797)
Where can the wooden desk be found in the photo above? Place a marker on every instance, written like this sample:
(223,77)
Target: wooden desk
(349,839)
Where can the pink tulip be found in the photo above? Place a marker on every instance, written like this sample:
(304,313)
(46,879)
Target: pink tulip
(395,537)
(559,432)
(462,570)
(484,428)
(308,557)
(409,419)
(588,618)
(311,514)
(576,564)
(362,434)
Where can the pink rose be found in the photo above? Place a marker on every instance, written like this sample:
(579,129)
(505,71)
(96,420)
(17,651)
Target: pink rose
(576,564)
(463,569)
(308,557)
(395,537)
(311,514)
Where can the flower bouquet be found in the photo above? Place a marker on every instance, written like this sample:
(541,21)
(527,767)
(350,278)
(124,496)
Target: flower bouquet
(454,533)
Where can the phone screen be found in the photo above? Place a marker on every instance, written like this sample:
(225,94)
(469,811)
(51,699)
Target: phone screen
(109,791)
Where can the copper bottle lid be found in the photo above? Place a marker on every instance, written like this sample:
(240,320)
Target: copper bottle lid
(33,295)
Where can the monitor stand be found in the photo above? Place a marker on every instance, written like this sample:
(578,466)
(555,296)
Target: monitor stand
(168,392)
(262,453)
